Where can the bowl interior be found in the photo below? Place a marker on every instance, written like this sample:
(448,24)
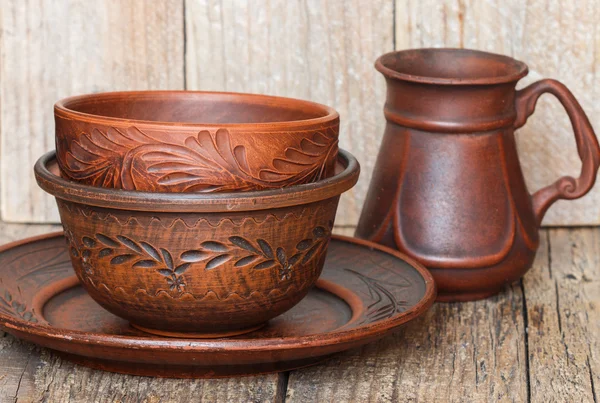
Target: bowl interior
(196,107)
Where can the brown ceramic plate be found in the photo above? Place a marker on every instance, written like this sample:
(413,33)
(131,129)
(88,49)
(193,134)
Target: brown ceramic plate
(365,292)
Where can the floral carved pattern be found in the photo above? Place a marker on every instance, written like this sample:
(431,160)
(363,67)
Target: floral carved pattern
(206,162)
(258,255)
(264,256)
(385,305)
(11,306)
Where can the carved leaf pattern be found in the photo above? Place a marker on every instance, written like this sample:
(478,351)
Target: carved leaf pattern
(96,157)
(259,255)
(146,256)
(206,162)
(11,306)
(385,304)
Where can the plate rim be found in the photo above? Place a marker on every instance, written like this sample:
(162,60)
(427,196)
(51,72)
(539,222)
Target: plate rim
(370,331)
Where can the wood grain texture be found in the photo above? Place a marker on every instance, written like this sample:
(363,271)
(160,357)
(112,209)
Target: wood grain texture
(32,374)
(456,352)
(345,231)
(56,380)
(303,48)
(322,51)
(563,311)
(557,39)
(52,49)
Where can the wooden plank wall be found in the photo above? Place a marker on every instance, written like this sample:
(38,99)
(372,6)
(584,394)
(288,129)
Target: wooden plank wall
(315,49)
(51,49)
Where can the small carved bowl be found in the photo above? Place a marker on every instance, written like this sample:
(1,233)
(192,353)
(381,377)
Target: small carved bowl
(186,141)
(194,264)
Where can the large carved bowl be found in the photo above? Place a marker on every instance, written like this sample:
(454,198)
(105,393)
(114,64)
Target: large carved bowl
(186,141)
(194,264)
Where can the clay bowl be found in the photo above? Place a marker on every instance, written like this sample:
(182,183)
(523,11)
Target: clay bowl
(185,141)
(194,264)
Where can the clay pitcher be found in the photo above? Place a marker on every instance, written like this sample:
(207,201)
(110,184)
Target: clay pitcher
(447,188)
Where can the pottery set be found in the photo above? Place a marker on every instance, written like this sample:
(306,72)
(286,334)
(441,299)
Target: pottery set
(198,225)
(191,229)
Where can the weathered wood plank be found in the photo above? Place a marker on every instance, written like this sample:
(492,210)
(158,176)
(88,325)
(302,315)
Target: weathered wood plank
(557,39)
(49,50)
(346,231)
(457,352)
(308,49)
(61,381)
(563,311)
(29,373)
(322,51)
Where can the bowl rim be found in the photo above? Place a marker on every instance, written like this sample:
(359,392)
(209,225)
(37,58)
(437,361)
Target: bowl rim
(330,116)
(196,202)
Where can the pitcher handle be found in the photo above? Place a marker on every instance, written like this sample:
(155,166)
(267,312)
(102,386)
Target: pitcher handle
(565,187)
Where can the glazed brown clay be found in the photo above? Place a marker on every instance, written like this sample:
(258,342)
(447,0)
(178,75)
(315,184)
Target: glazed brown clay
(184,141)
(365,292)
(447,188)
(205,265)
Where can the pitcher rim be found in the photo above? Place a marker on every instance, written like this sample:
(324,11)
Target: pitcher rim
(519,69)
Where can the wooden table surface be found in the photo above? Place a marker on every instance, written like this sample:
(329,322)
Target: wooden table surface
(537,341)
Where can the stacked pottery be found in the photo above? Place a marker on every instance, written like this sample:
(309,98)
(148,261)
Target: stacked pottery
(196,214)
